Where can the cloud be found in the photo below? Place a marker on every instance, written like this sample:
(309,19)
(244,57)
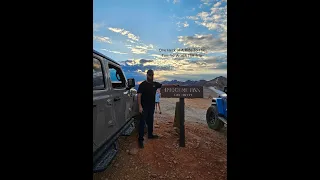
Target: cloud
(117,30)
(141,66)
(214,19)
(97,26)
(223,36)
(222,65)
(209,25)
(192,17)
(125,33)
(169,68)
(206,2)
(131,41)
(182,24)
(141,48)
(193,75)
(132,62)
(185,24)
(133,37)
(116,52)
(138,51)
(208,42)
(179,26)
(174,18)
(204,16)
(176,1)
(102,39)
(142,61)
(217,4)
(146,47)
(215,59)
(158,56)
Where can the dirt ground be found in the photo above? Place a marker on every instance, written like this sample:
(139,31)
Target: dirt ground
(203,157)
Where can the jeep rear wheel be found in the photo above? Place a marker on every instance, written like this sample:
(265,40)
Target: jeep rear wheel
(212,118)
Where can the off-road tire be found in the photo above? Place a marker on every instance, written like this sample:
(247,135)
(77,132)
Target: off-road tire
(212,118)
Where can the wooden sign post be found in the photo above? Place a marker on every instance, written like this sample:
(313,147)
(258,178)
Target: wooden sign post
(182,92)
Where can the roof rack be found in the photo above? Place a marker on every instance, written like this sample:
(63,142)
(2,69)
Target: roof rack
(104,56)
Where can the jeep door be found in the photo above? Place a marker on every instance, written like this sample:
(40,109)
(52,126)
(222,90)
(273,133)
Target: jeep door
(121,94)
(104,119)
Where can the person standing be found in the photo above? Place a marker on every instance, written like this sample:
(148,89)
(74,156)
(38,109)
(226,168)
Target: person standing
(158,95)
(146,100)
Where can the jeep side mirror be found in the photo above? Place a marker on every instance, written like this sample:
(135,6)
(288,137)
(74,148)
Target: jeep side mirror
(131,83)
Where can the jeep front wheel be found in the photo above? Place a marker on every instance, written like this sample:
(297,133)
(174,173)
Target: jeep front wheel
(212,118)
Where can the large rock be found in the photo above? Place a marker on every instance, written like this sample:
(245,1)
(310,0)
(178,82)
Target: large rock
(133,151)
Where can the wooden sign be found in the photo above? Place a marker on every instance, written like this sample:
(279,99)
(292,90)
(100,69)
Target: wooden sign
(182,92)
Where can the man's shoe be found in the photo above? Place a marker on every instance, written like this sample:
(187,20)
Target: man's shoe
(153,137)
(141,145)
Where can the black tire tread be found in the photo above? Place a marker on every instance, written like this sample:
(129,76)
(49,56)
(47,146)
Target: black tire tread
(218,124)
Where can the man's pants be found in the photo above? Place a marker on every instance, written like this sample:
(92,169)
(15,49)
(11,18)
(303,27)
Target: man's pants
(146,118)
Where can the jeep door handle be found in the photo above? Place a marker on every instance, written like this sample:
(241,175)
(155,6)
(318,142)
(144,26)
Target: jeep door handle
(109,102)
(116,98)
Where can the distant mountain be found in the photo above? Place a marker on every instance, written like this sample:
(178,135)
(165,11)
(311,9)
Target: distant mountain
(218,83)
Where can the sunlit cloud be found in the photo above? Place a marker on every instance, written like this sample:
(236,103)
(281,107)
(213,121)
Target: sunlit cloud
(116,52)
(102,39)
(124,33)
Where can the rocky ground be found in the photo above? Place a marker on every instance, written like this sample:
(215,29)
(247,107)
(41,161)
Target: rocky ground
(203,157)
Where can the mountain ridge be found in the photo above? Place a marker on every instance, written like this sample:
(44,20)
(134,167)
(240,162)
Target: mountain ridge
(218,83)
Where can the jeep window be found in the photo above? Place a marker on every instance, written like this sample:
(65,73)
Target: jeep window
(98,80)
(117,78)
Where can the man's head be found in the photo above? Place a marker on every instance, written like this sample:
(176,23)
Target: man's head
(150,75)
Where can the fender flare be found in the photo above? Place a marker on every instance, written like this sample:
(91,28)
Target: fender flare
(218,103)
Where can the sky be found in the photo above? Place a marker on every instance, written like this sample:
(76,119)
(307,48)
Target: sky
(179,39)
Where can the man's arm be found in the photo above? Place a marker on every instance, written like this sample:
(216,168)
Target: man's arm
(158,85)
(166,85)
(139,102)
